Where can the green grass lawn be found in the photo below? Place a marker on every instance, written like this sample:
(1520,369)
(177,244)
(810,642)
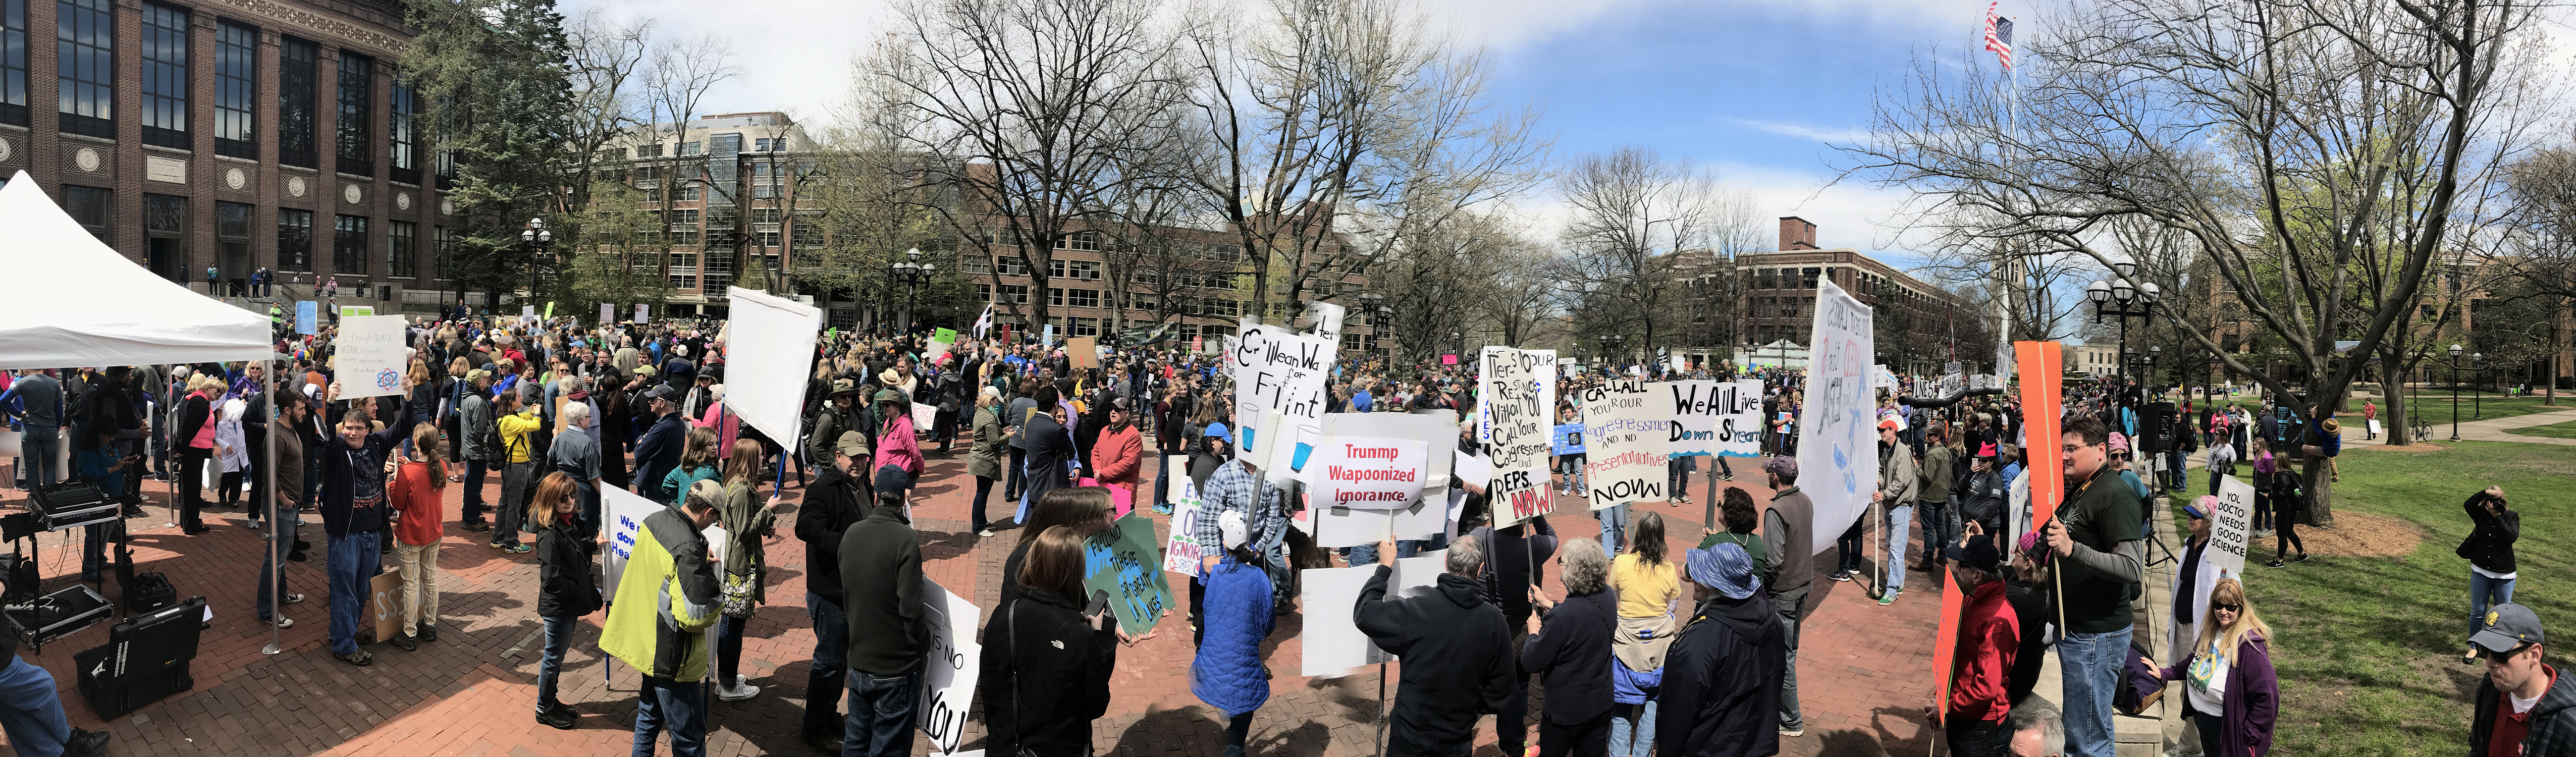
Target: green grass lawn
(2555,430)
(2437,408)
(2368,649)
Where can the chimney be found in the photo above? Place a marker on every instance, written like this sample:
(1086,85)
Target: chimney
(1797,234)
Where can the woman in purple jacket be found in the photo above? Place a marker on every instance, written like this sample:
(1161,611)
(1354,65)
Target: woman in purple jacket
(2229,689)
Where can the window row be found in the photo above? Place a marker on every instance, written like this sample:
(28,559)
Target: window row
(167,230)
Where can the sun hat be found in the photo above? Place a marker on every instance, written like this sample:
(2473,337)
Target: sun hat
(1725,569)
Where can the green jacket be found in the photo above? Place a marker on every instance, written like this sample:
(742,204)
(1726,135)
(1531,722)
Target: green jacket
(665,602)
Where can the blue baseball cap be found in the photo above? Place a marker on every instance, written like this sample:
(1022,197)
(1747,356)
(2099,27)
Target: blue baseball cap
(1218,430)
(1725,569)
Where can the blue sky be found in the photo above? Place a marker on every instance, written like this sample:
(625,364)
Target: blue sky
(1750,88)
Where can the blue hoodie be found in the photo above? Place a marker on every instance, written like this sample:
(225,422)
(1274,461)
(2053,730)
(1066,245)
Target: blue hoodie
(1228,674)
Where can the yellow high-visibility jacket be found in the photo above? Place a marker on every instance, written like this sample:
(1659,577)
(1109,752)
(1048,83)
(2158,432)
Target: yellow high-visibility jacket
(665,601)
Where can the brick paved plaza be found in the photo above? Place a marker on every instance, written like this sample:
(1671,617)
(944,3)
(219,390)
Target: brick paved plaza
(1864,669)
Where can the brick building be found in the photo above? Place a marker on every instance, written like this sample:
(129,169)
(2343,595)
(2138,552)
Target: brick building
(732,179)
(231,134)
(1779,299)
(1199,279)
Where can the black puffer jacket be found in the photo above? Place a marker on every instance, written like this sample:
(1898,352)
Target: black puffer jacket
(1722,681)
(566,586)
(2490,546)
(1046,676)
(1457,659)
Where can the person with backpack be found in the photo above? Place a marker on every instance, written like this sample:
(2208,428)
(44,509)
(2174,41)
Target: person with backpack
(2489,550)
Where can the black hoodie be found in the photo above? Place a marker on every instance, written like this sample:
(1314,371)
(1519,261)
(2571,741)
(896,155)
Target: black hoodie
(1457,659)
(1721,692)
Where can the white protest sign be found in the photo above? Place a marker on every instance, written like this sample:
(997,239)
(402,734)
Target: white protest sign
(622,515)
(640,311)
(769,350)
(1882,378)
(1518,428)
(1325,319)
(1282,372)
(1544,373)
(1627,438)
(2230,526)
(1715,417)
(1182,552)
(1368,473)
(607,314)
(2374,426)
(1334,526)
(948,673)
(1837,437)
(370,361)
(1333,645)
(528,312)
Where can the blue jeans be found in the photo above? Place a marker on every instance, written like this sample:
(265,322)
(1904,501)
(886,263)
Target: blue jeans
(880,723)
(2181,471)
(680,706)
(550,667)
(1899,518)
(1614,524)
(1624,745)
(1366,554)
(2486,592)
(823,679)
(728,648)
(1789,610)
(1572,467)
(353,561)
(30,711)
(2091,664)
(1162,485)
(40,444)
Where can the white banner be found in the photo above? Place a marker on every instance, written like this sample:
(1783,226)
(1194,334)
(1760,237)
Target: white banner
(1368,473)
(1627,438)
(1436,429)
(1715,417)
(769,352)
(1544,374)
(527,311)
(1278,371)
(1517,424)
(1837,436)
(2229,527)
(640,313)
(1333,645)
(607,314)
(370,356)
(1325,320)
(948,674)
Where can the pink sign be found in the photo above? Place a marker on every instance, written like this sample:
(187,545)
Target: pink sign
(1448,360)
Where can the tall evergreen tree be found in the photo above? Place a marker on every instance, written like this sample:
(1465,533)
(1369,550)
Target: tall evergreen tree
(495,74)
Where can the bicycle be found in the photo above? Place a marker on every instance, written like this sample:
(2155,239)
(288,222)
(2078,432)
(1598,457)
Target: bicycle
(2423,429)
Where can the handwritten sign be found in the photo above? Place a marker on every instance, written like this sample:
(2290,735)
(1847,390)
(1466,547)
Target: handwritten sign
(1125,561)
(1837,447)
(1182,553)
(1510,414)
(1279,371)
(1721,418)
(607,314)
(1568,439)
(304,317)
(370,356)
(640,311)
(1369,473)
(1629,433)
(950,669)
(1084,350)
(2228,530)
(623,513)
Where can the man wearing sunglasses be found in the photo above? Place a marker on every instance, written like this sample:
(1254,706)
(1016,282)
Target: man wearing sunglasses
(2523,707)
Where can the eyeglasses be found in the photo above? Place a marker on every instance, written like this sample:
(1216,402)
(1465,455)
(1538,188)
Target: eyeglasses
(2071,448)
(2226,608)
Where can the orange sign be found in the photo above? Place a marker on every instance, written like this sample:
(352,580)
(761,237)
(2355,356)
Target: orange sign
(2040,372)
(1945,645)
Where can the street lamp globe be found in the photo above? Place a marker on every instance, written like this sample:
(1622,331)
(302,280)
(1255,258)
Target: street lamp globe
(913,255)
(2154,292)
(2099,292)
(2455,352)
(2121,291)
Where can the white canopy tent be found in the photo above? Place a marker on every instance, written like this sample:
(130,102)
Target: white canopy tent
(79,303)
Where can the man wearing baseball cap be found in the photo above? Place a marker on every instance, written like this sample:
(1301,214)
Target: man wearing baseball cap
(1723,672)
(1899,484)
(2522,706)
(1787,528)
(1989,643)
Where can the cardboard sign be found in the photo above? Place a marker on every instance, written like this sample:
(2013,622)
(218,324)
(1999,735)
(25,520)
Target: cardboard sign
(1838,444)
(949,670)
(1182,552)
(1084,350)
(388,601)
(370,356)
(1368,473)
(944,335)
(2230,527)
(1125,561)
(1568,439)
(1512,415)
(1720,418)
(1629,434)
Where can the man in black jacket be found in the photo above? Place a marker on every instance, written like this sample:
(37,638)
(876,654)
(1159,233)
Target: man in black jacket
(2522,707)
(836,500)
(1722,675)
(880,573)
(1456,651)
(659,452)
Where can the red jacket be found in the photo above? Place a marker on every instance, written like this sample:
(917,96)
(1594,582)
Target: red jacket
(414,493)
(1114,456)
(1989,634)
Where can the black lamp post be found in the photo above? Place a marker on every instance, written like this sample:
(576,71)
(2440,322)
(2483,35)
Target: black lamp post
(2118,298)
(2454,364)
(1610,344)
(537,238)
(1458,345)
(912,272)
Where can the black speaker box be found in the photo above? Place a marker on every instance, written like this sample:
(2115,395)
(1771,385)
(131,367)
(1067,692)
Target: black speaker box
(145,660)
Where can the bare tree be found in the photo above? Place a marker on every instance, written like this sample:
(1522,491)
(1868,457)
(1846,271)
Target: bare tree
(1620,265)
(677,81)
(2266,132)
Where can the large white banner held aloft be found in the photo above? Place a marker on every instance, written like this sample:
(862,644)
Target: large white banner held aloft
(1837,436)
(1722,418)
(1627,437)
(1517,425)
(769,351)
(369,360)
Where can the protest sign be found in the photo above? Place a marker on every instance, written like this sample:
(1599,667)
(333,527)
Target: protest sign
(1084,350)
(550,310)
(2229,527)
(1047,339)
(1882,378)
(1126,561)
(925,417)
(357,310)
(2374,426)
(1335,526)
(640,311)
(1279,371)
(1516,426)
(1721,418)
(1629,435)
(1332,643)
(622,515)
(1945,644)
(769,347)
(1324,319)
(1449,360)
(1837,441)
(304,316)
(2037,362)
(1182,553)
(607,314)
(1568,439)
(1436,429)
(950,669)
(527,311)
(936,350)
(944,335)
(370,362)
(386,591)
(1368,473)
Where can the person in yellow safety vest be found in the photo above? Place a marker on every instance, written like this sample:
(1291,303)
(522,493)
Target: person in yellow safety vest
(663,605)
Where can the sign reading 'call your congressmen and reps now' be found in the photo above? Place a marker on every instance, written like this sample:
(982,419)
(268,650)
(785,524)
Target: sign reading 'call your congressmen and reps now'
(1837,436)
(1627,434)
(1518,429)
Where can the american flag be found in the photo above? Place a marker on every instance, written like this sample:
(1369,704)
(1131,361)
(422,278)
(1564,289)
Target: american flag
(1999,35)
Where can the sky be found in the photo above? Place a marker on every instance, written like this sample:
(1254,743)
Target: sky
(1756,90)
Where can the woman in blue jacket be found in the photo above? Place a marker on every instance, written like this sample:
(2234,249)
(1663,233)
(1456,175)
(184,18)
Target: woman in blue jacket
(1228,674)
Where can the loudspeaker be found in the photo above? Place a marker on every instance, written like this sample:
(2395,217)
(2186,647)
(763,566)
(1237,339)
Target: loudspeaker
(145,660)
(2155,426)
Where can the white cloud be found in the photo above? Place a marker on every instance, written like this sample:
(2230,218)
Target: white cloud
(1831,136)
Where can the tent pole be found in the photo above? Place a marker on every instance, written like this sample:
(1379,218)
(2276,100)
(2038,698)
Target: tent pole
(277,606)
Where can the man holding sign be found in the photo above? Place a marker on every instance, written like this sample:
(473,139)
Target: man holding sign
(2098,538)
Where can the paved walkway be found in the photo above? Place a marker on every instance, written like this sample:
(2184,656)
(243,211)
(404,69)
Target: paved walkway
(1864,669)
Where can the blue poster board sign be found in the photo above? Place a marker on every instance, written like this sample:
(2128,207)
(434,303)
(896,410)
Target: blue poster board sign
(304,315)
(1569,439)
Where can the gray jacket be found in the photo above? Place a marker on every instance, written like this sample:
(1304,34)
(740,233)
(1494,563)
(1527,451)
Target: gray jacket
(474,420)
(1898,477)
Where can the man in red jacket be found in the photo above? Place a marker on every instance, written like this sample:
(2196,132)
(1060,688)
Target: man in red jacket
(1989,636)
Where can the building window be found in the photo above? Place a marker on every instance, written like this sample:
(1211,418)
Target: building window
(236,82)
(689,148)
(298,83)
(1085,270)
(1014,294)
(1086,326)
(13,62)
(1083,241)
(766,238)
(973,264)
(1055,297)
(1807,277)
(165,76)
(232,240)
(405,154)
(684,270)
(446,246)
(349,246)
(165,237)
(357,99)
(1010,265)
(1083,298)
(85,66)
(90,206)
(398,249)
(294,239)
